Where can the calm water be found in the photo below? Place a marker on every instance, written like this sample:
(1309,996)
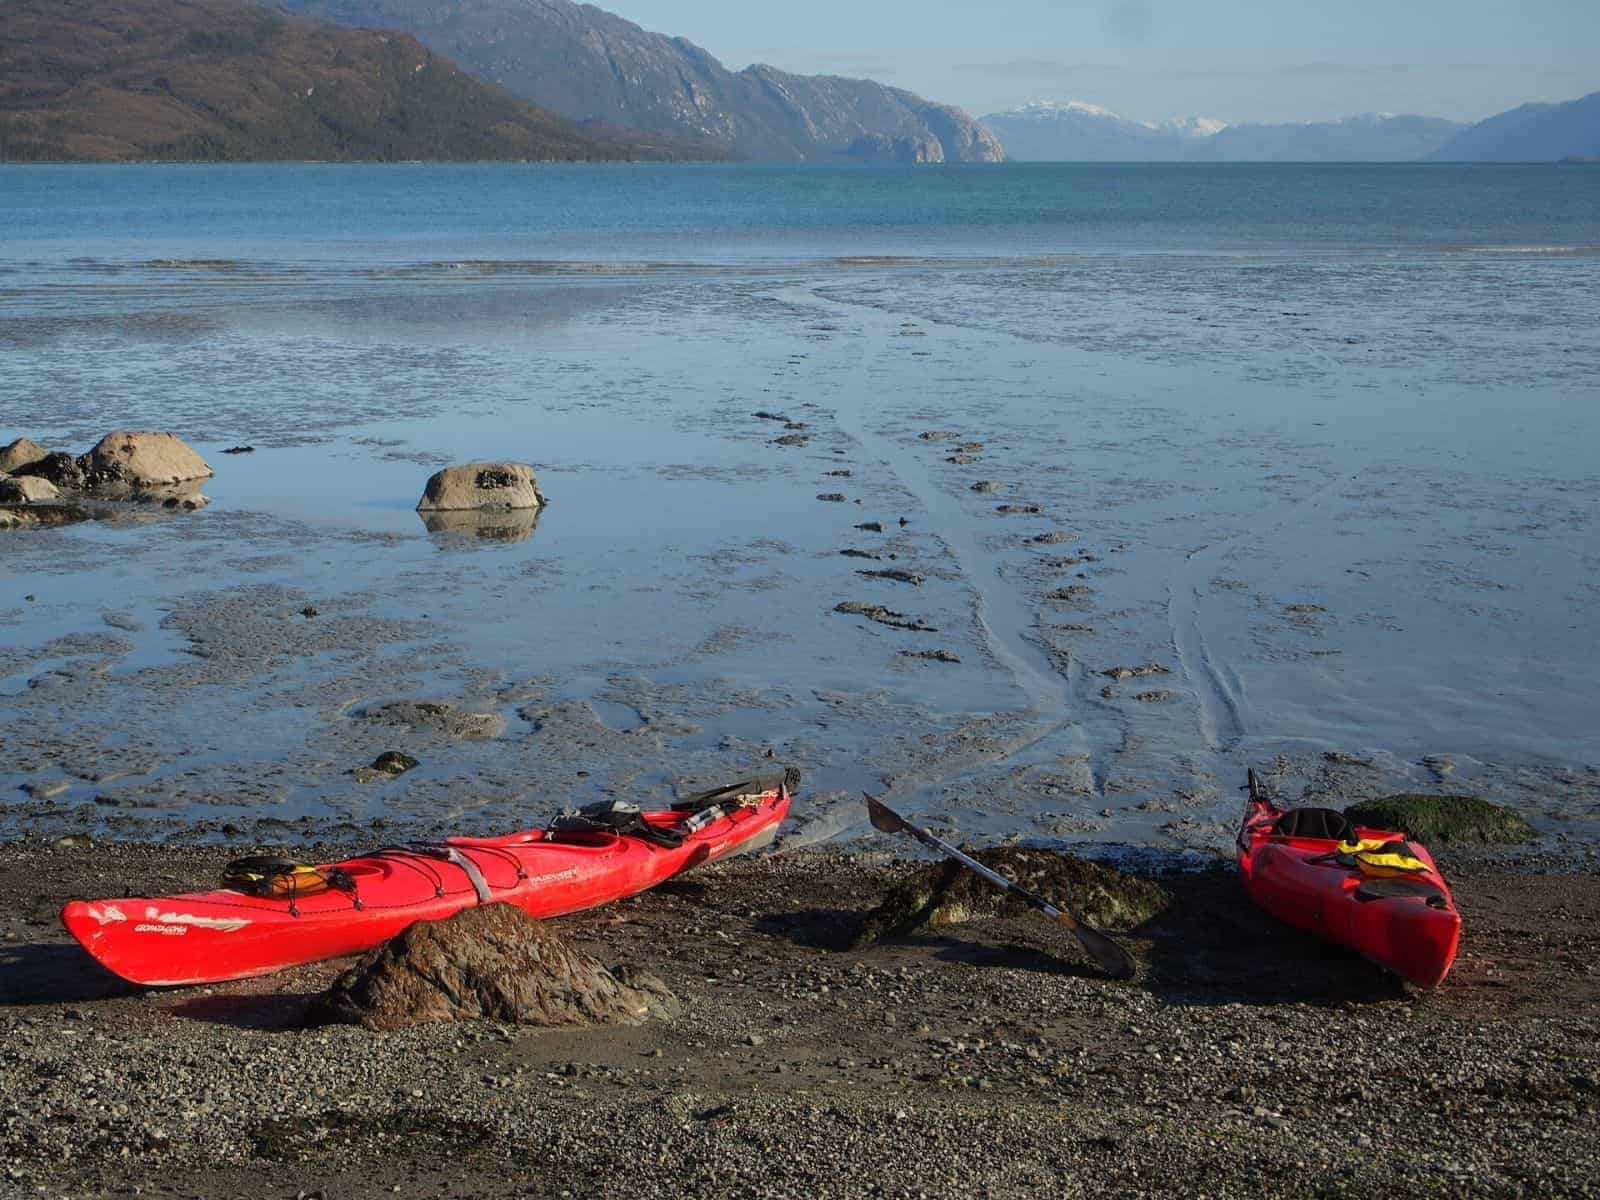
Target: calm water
(1317,441)
(762,214)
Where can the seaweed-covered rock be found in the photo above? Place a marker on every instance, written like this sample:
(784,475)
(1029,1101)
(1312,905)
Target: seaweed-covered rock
(482,485)
(394,762)
(19,454)
(1444,820)
(391,764)
(59,468)
(946,893)
(493,963)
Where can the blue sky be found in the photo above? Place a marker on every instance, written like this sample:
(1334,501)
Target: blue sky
(1240,60)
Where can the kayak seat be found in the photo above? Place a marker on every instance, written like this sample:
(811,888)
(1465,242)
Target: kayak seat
(1326,823)
(1400,889)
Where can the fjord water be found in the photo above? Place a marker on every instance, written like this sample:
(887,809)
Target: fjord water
(781,214)
(1317,442)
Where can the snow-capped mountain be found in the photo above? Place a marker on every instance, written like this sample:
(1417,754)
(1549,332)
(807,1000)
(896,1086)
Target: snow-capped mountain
(1073,130)
(1192,127)
(1076,131)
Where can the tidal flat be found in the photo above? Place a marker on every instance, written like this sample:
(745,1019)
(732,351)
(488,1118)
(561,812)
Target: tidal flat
(938,530)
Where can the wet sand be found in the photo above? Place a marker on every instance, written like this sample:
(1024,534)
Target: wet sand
(1244,1059)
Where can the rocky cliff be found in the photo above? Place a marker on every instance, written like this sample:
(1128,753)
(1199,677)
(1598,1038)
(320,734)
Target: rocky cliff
(591,65)
(108,80)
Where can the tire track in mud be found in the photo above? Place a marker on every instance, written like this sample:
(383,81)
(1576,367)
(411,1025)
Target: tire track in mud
(1219,692)
(1003,615)
(1000,614)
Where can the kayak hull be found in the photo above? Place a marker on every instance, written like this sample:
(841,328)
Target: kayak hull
(210,937)
(1409,927)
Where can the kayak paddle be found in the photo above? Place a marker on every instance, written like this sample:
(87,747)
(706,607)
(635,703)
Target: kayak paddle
(1113,959)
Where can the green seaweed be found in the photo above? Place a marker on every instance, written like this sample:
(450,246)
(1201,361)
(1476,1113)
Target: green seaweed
(946,893)
(1447,820)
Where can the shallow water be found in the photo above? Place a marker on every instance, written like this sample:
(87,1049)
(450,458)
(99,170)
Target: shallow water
(1317,442)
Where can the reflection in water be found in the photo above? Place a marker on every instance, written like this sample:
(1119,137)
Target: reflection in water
(503,525)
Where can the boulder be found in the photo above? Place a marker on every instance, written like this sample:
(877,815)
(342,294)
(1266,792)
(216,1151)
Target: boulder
(143,460)
(1444,820)
(946,893)
(27,489)
(19,454)
(494,963)
(497,485)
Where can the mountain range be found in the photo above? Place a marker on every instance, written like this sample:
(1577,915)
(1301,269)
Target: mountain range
(108,80)
(543,79)
(1073,131)
(591,65)
(1531,133)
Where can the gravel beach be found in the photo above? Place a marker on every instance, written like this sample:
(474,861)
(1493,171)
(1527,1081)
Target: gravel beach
(985,1060)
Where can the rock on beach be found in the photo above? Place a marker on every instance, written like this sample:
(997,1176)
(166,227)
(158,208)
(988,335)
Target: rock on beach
(946,893)
(20,453)
(124,465)
(1458,820)
(27,489)
(143,460)
(483,485)
(493,963)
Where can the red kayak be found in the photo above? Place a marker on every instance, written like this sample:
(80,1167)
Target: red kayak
(283,914)
(1368,889)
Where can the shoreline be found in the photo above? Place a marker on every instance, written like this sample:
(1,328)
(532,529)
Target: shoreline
(984,1059)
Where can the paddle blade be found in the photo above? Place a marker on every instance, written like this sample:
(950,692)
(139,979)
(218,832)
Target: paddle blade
(1113,959)
(884,818)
